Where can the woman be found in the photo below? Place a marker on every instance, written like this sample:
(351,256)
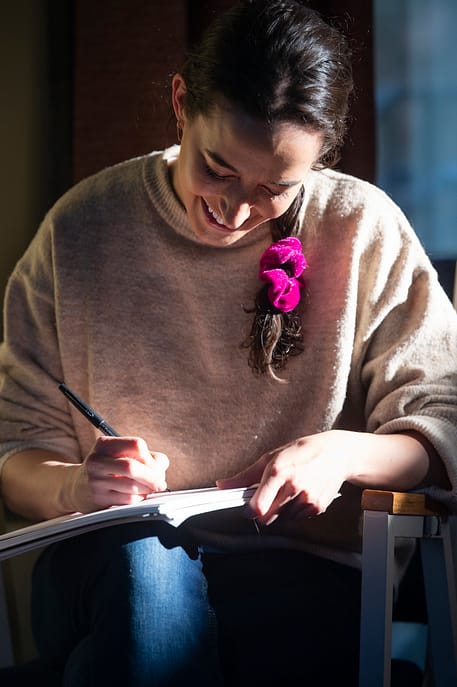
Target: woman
(242,315)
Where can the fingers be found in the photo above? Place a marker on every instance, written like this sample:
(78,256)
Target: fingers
(126,466)
(118,447)
(161,459)
(276,487)
(128,474)
(245,478)
(270,499)
(299,509)
(289,502)
(298,480)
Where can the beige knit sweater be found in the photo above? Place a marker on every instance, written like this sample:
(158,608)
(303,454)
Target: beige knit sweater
(116,297)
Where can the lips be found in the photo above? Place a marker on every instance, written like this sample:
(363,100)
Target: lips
(213,217)
(217,217)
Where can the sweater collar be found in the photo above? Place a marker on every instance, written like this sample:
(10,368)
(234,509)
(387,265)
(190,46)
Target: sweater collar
(156,174)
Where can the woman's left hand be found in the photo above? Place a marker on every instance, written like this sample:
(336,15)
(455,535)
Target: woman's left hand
(300,479)
(305,476)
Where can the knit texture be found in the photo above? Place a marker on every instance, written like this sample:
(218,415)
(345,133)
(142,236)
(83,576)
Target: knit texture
(116,296)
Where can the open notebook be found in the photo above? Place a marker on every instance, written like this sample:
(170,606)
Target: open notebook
(172,506)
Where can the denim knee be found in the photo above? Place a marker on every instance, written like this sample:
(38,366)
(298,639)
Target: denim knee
(126,604)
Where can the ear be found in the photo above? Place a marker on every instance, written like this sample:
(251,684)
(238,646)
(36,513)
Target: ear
(178,97)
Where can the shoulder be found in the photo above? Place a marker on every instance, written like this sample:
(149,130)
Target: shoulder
(358,229)
(331,191)
(93,216)
(111,189)
(105,203)
(339,205)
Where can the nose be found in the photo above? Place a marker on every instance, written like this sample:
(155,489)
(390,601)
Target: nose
(236,209)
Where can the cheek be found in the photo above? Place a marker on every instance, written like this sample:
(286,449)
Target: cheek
(198,182)
(280,208)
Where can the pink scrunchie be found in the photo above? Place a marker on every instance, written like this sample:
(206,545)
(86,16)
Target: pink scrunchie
(280,266)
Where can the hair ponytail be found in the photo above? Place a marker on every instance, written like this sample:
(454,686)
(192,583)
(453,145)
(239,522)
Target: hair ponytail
(276,335)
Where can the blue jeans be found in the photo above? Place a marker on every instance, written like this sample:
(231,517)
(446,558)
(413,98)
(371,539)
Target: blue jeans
(124,606)
(128,605)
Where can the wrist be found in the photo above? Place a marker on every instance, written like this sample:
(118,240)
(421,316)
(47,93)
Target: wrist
(66,500)
(388,461)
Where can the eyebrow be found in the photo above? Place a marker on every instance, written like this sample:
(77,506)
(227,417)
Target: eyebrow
(220,161)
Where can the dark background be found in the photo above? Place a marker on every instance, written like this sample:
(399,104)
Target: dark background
(85,84)
(125,52)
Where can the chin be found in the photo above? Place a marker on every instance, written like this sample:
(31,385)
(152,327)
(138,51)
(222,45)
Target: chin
(218,240)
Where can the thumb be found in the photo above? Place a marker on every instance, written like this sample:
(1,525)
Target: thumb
(246,478)
(161,459)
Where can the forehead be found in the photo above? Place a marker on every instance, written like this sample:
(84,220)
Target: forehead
(279,150)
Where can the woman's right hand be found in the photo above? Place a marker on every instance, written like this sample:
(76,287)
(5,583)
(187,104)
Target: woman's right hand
(117,471)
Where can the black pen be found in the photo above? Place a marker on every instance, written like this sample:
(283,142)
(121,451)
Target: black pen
(88,412)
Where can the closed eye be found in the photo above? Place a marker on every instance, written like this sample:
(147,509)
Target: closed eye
(277,194)
(283,193)
(214,175)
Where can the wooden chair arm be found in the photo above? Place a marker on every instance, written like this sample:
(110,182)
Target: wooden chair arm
(400,503)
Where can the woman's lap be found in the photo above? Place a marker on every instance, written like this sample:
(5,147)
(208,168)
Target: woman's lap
(123,607)
(285,618)
(118,607)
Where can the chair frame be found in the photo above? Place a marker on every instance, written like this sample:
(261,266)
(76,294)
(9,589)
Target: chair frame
(388,516)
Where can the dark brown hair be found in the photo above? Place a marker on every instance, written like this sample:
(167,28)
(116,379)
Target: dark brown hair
(280,62)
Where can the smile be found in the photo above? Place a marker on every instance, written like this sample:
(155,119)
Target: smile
(214,214)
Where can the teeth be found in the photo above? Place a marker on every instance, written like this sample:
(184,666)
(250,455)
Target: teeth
(218,219)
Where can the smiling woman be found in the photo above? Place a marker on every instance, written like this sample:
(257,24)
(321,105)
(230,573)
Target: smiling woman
(246,153)
(232,169)
(243,315)
(234,173)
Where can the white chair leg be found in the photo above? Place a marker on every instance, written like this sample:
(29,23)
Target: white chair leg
(377,598)
(440,594)
(379,532)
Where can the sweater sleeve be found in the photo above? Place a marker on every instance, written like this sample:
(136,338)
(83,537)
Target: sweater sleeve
(409,344)
(32,414)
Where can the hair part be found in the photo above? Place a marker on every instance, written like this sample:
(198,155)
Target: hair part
(280,62)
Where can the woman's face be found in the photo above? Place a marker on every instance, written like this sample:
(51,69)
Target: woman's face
(235,172)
